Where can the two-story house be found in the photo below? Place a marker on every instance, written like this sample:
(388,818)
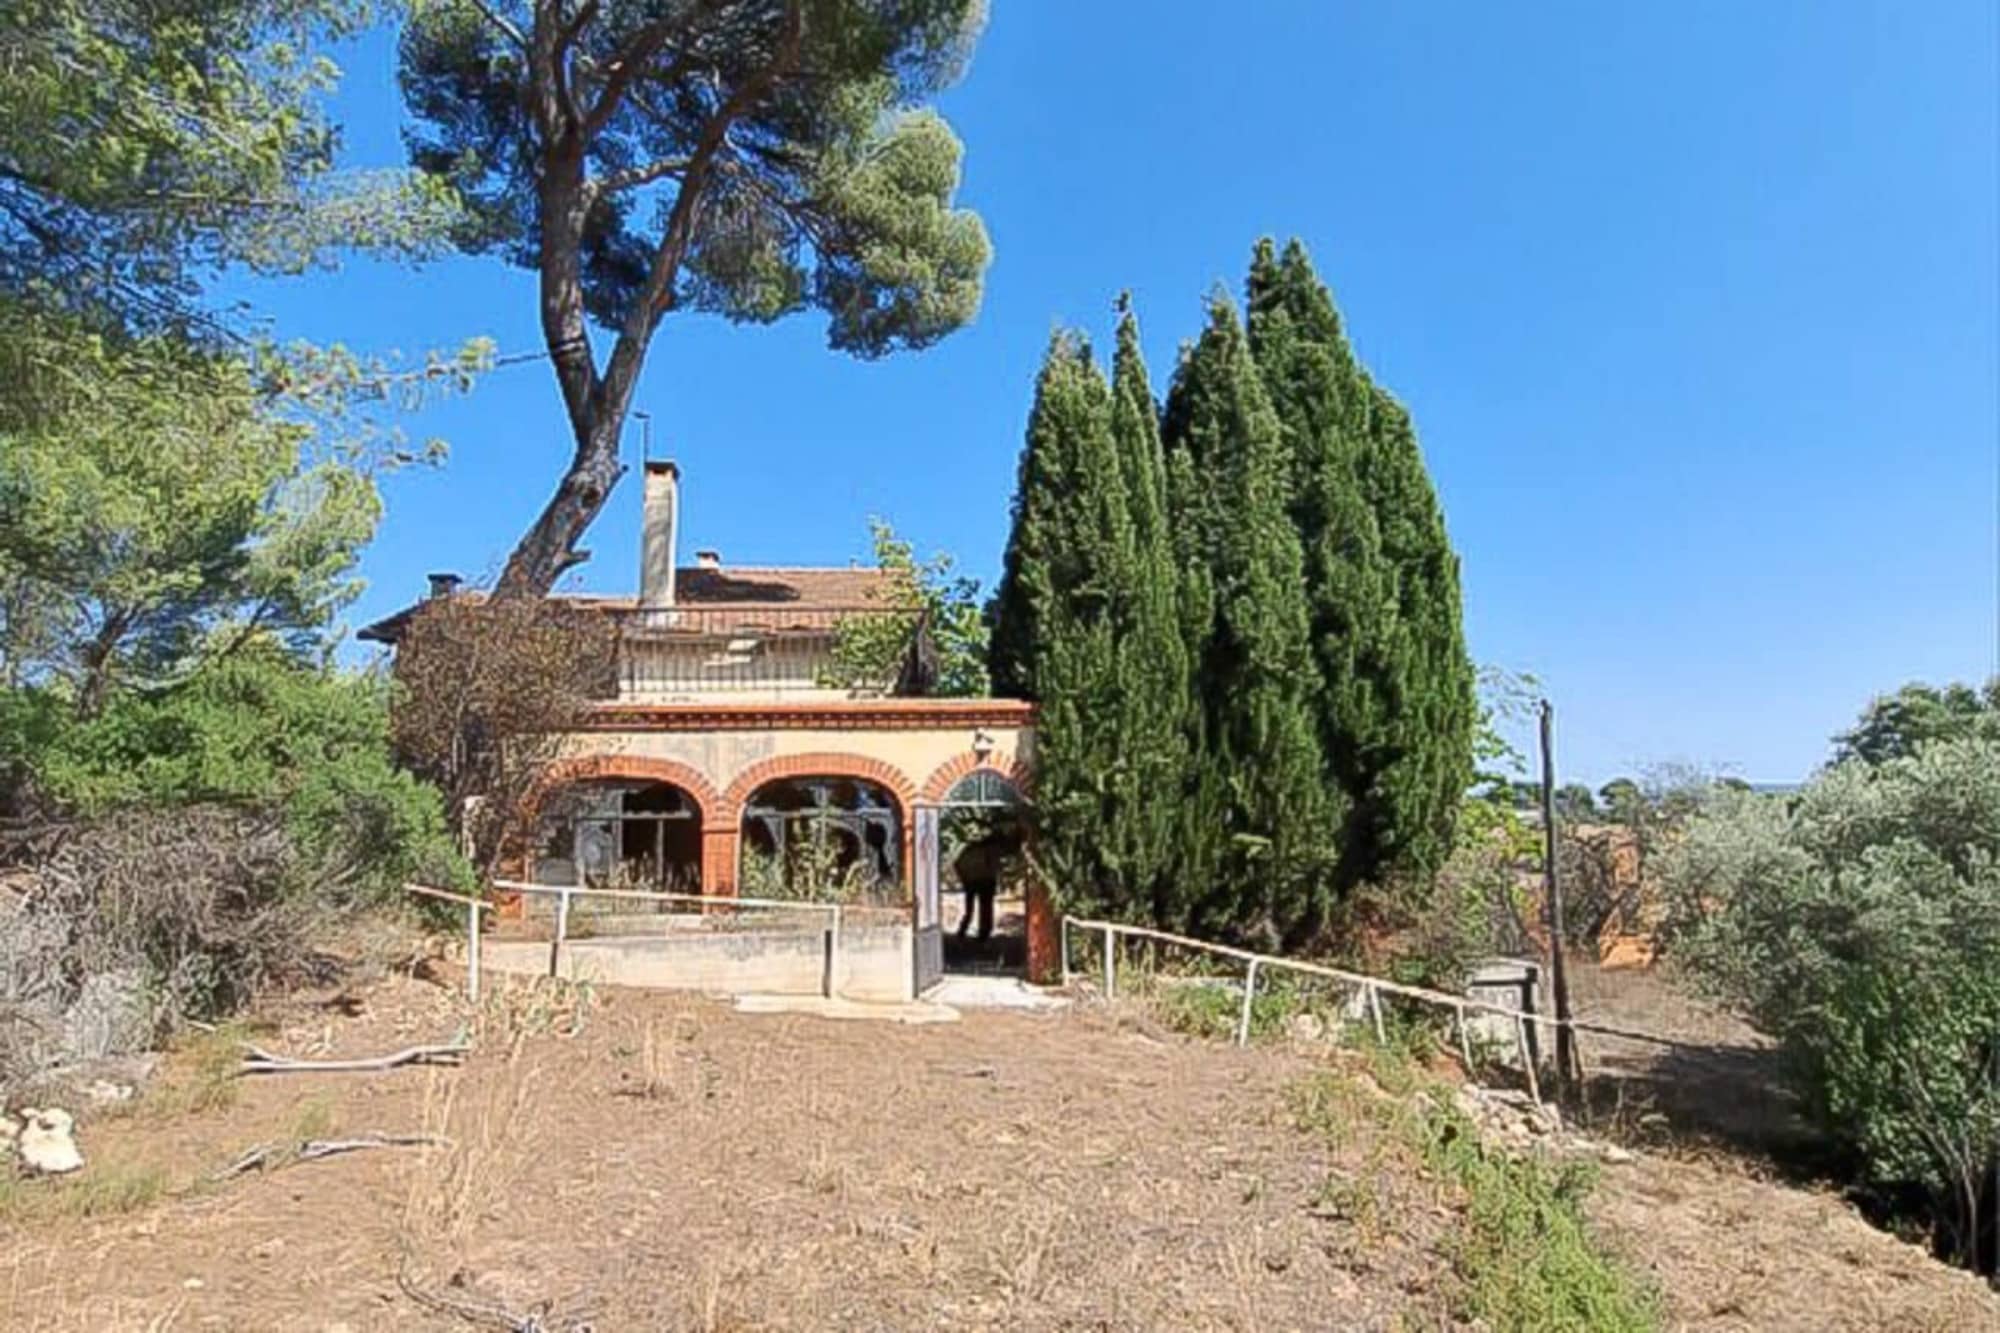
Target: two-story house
(722,745)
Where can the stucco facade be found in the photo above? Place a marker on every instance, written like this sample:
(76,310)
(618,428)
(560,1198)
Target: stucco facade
(720,754)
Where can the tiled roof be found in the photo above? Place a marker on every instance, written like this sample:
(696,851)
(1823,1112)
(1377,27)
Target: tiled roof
(743,586)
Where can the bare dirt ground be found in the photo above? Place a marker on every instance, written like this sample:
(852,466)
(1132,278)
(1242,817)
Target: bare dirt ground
(677,1165)
(1718,1207)
(657,1161)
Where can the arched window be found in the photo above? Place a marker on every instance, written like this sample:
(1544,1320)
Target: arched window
(620,835)
(826,838)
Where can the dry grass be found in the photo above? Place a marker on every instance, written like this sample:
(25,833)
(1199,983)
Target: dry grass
(658,1161)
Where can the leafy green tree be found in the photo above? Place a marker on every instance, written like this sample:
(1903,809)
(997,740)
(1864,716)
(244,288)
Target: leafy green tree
(747,158)
(143,146)
(869,650)
(1895,726)
(1574,802)
(1622,800)
(153,513)
(1257,679)
(1858,922)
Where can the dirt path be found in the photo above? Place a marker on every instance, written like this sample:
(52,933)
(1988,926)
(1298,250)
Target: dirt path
(672,1164)
(676,1165)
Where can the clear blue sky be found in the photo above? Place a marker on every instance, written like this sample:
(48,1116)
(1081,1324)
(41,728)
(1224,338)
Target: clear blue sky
(1695,305)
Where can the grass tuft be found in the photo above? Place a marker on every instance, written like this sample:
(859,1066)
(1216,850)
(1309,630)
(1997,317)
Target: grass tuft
(102,1189)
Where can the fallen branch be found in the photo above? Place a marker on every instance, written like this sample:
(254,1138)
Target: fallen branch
(485,1312)
(274,1155)
(263,1062)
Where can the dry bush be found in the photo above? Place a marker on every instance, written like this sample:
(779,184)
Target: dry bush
(486,690)
(133,923)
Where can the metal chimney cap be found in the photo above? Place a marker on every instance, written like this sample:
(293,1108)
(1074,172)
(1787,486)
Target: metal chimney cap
(708,559)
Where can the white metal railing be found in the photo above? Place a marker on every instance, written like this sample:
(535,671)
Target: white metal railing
(564,894)
(1371,988)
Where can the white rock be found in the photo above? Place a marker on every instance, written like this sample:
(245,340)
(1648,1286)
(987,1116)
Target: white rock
(1307,1027)
(47,1142)
(103,1092)
(1616,1155)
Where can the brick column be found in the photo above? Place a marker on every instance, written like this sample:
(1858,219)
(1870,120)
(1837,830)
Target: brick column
(1044,927)
(719,838)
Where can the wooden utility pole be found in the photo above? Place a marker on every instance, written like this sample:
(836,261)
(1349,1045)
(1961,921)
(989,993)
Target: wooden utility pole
(1552,896)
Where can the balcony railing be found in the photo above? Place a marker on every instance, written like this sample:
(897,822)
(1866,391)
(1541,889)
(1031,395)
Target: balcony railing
(679,651)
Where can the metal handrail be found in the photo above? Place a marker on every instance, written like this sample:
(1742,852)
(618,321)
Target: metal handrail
(565,892)
(1371,987)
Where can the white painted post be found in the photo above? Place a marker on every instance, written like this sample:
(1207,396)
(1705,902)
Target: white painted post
(472,951)
(1110,967)
(1464,1040)
(1375,1012)
(1249,993)
(1528,1059)
(1064,930)
(562,929)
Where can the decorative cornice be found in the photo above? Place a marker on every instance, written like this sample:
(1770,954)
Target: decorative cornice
(817,715)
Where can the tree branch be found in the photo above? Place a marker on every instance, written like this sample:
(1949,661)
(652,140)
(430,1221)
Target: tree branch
(504,24)
(656,296)
(636,176)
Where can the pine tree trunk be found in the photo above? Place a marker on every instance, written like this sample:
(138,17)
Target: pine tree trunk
(548,548)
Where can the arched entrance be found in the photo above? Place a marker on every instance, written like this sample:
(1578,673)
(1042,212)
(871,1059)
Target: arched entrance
(969,841)
(827,837)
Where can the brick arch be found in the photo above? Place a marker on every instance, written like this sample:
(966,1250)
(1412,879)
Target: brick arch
(823,764)
(709,803)
(959,767)
(820,765)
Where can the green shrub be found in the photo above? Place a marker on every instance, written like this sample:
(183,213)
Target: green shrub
(1525,1255)
(1859,924)
(258,731)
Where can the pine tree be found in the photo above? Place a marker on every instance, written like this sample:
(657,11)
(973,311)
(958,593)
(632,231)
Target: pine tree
(1396,711)
(1153,664)
(1255,671)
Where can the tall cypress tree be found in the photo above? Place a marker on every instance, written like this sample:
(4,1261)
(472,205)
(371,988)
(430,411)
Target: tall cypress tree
(1323,400)
(1424,763)
(1057,620)
(1153,664)
(1396,710)
(1254,666)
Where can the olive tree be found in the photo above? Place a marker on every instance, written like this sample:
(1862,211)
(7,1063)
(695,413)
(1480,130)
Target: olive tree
(1859,924)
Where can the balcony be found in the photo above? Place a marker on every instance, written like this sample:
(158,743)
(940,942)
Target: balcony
(771,651)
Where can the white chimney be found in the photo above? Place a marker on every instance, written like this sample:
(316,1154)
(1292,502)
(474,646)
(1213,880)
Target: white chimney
(659,521)
(708,559)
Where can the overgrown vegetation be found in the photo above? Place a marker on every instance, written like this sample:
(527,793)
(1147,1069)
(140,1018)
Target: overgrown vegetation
(187,782)
(1858,922)
(1523,1254)
(486,691)
(877,653)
